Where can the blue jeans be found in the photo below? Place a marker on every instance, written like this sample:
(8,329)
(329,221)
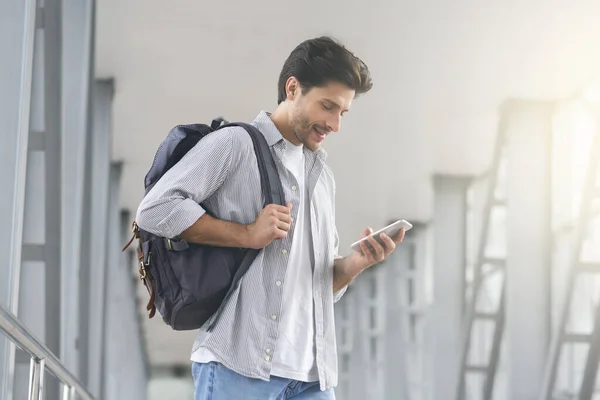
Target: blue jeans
(215,382)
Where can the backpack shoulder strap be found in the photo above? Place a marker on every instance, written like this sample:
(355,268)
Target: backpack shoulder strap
(273,193)
(271,184)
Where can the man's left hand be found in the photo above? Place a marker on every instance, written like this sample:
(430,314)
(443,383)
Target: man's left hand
(359,261)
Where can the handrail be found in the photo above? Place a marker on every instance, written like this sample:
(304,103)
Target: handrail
(41,358)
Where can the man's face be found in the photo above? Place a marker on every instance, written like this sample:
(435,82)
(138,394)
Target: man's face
(318,112)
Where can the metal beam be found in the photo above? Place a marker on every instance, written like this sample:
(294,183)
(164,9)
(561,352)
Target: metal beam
(559,338)
(78,66)
(17,19)
(114,297)
(528,245)
(53,170)
(30,300)
(480,276)
(129,262)
(101,159)
(588,383)
(53,182)
(85,267)
(447,307)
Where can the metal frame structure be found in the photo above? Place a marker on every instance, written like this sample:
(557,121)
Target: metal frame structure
(42,360)
(561,337)
(78,79)
(15,104)
(379,311)
(405,277)
(345,341)
(55,163)
(481,273)
(372,318)
(448,281)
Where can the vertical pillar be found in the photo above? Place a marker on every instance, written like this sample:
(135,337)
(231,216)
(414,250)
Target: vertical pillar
(355,302)
(447,307)
(16,44)
(125,364)
(78,36)
(137,386)
(53,181)
(528,246)
(29,284)
(373,320)
(344,316)
(134,386)
(85,257)
(98,217)
(117,317)
(40,283)
(399,280)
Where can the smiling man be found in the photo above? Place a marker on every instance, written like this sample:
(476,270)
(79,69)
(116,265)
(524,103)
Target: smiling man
(275,337)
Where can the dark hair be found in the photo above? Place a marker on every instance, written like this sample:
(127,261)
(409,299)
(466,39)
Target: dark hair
(316,62)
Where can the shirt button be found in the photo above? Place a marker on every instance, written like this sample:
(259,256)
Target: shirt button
(278,283)
(273,317)
(284,251)
(294,187)
(267,358)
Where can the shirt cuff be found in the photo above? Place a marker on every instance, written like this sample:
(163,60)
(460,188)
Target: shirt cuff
(338,295)
(181,217)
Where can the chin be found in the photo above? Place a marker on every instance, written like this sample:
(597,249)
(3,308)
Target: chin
(312,145)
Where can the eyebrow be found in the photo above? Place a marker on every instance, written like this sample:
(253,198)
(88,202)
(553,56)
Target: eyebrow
(335,104)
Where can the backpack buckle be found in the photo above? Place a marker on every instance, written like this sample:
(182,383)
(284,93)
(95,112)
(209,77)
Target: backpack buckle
(143,265)
(142,271)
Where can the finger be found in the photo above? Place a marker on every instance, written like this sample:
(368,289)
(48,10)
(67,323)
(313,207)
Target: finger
(280,234)
(399,237)
(378,250)
(284,226)
(276,208)
(284,217)
(389,244)
(289,206)
(368,231)
(367,252)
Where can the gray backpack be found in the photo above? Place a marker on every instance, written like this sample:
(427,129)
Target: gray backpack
(187,282)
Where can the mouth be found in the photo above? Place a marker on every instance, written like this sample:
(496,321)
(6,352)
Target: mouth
(321,133)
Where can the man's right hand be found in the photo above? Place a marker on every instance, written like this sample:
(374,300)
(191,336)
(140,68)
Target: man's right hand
(272,223)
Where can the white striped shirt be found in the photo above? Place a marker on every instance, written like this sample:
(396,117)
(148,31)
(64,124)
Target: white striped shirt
(221,172)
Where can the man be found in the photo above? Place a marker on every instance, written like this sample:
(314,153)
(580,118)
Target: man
(275,337)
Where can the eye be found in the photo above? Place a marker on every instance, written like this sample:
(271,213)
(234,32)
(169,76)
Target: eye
(325,107)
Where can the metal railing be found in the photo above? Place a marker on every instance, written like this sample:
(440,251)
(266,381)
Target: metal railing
(42,360)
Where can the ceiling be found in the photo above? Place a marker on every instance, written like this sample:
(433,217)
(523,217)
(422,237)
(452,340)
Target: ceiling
(441,69)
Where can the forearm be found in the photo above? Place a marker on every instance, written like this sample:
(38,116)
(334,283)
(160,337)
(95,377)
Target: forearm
(342,274)
(215,232)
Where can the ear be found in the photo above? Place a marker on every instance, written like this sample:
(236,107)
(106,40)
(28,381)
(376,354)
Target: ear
(292,88)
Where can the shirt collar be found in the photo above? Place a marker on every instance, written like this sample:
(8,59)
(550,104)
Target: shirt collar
(264,123)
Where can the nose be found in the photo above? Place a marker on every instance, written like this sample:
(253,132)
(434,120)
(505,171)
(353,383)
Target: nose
(334,123)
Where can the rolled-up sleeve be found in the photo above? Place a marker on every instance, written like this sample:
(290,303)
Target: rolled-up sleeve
(173,204)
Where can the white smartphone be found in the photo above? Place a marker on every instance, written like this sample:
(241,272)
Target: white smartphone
(390,230)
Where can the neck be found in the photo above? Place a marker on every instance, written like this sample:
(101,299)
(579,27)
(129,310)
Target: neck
(281,119)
